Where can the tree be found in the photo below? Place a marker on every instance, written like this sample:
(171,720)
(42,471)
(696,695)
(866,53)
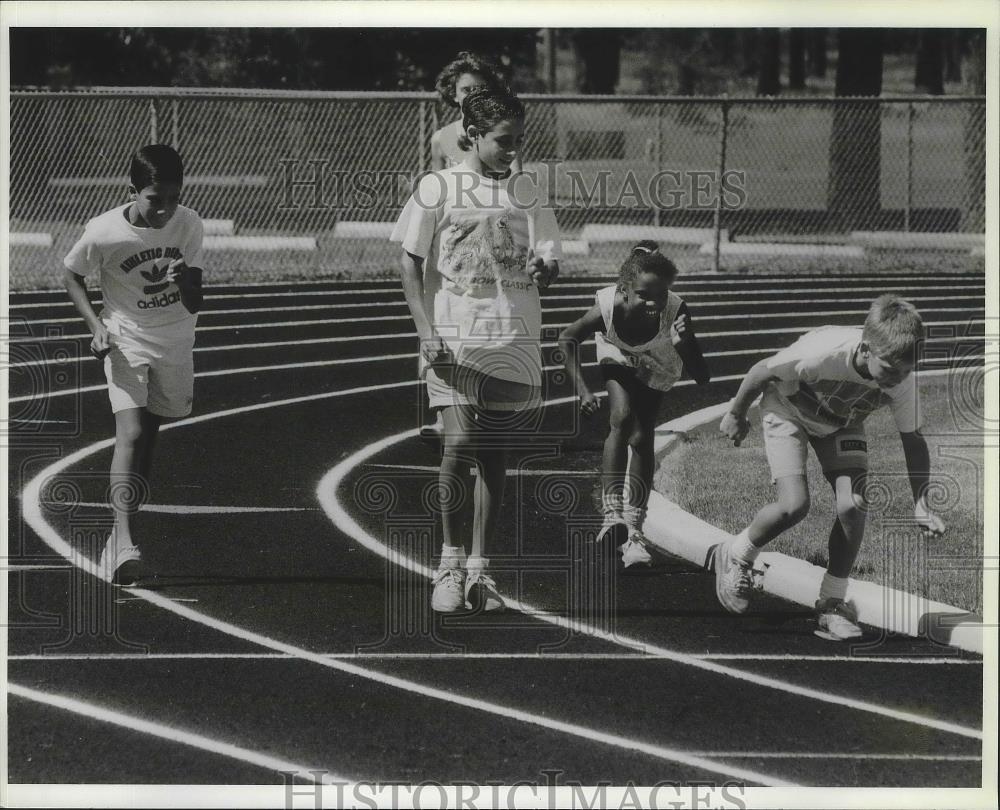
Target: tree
(974,146)
(816,48)
(854,192)
(796,59)
(930,62)
(769,62)
(599,49)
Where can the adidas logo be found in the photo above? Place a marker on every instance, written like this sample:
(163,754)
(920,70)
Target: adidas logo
(155,277)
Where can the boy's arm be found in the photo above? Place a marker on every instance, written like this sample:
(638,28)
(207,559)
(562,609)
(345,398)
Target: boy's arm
(76,286)
(686,343)
(569,342)
(734,424)
(918,467)
(432,347)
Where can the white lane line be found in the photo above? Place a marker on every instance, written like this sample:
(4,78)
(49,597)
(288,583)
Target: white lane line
(174,735)
(188,509)
(230,372)
(584,297)
(341,518)
(701,316)
(588,290)
(410,355)
(685,279)
(841,755)
(391,335)
(32,513)
(532,656)
(427,468)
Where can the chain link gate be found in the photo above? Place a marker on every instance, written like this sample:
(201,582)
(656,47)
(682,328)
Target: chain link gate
(307,184)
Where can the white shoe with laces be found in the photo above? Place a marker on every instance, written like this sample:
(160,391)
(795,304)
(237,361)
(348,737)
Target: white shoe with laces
(837,620)
(449,590)
(635,550)
(481,591)
(120,565)
(733,580)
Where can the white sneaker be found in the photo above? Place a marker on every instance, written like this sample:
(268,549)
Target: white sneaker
(120,565)
(837,620)
(613,532)
(449,590)
(733,580)
(481,591)
(635,550)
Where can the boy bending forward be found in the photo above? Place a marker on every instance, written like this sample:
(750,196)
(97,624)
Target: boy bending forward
(818,392)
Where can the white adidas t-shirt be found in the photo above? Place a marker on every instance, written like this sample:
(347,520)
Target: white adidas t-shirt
(475,235)
(132,263)
(819,387)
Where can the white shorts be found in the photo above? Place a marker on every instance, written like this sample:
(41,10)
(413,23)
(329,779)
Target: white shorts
(155,371)
(786,443)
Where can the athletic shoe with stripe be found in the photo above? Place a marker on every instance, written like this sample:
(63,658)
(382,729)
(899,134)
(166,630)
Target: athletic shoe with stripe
(837,620)
(733,580)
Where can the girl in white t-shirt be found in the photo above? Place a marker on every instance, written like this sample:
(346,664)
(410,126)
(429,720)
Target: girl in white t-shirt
(147,255)
(644,340)
(478,246)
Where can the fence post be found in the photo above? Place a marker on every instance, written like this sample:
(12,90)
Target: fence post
(175,139)
(658,214)
(717,220)
(422,135)
(153,124)
(909,166)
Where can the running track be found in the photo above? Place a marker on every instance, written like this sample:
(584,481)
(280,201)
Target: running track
(291,526)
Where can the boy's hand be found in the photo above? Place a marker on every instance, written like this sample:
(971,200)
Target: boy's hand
(735,427)
(180,274)
(542,273)
(930,524)
(100,344)
(589,404)
(436,351)
(678,329)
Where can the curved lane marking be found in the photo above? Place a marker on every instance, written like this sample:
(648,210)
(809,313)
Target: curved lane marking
(31,506)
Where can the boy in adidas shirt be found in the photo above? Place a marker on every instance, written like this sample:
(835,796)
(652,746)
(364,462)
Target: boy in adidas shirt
(818,392)
(147,254)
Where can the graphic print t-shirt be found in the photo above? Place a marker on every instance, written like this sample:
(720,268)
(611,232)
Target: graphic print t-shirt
(132,264)
(475,236)
(819,387)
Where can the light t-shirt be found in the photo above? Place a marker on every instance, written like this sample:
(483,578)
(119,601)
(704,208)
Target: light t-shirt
(475,236)
(656,362)
(447,140)
(819,388)
(132,262)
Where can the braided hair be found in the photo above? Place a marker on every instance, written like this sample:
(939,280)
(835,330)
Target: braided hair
(646,258)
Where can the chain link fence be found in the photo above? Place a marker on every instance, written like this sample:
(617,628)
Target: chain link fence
(303,185)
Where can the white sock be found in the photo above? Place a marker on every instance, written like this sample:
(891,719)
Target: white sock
(832,587)
(613,502)
(454,556)
(477,563)
(743,549)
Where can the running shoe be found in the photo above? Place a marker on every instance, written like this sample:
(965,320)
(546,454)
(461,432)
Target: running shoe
(481,591)
(635,550)
(120,565)
(733,580)
(837,620)
(449,590)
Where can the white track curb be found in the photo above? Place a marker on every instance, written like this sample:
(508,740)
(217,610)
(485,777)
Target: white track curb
(682,534)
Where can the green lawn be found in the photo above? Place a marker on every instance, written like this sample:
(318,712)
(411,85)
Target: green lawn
(948,569)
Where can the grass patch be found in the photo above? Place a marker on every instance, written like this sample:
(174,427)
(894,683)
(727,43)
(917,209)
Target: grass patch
(725,486)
